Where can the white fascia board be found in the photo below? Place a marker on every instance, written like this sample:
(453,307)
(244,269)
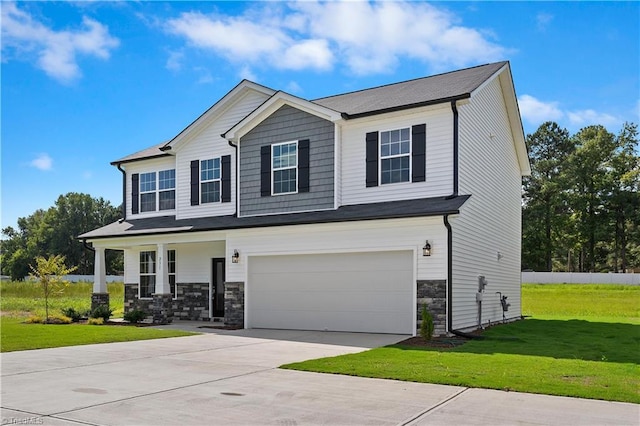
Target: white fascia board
(515,121)
(270,106)
(125,242)
(232,96)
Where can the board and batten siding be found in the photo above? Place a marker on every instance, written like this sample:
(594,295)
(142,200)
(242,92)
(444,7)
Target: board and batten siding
(288,124)
(344,237)
(209,144)
(490,221)
(439,156)
(147,166)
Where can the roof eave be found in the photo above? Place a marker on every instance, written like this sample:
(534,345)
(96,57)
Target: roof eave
(447,100)
(132,160)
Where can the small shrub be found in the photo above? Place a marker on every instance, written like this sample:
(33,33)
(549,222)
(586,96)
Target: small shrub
(73,314)
(426,328)
(34,319)
(102,311)
(135,316)
(59,319)
(95,321)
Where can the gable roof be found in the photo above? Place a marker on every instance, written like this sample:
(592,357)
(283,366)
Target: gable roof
(430,90)
(145,154)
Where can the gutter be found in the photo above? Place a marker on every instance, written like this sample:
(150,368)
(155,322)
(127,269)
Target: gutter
(451,99)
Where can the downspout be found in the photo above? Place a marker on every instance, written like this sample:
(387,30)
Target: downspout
(124,191)
(454,108)
(237,176)
(449,272)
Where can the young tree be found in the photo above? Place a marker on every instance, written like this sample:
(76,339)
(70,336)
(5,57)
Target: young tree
(49,273)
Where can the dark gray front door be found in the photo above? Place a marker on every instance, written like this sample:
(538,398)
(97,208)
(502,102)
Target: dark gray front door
(217,295)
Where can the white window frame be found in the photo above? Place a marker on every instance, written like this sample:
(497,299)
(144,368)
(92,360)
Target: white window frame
(173,274)
(168,189)
(277,169)
(156,190)
(213,180)
(146,274)
(144,192)
(391,156)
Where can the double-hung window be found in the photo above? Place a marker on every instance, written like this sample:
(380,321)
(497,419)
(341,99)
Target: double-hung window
(167,189)
(210,180)
(285,167)
(157,190)
(148,192)
(395,156)
(148,273)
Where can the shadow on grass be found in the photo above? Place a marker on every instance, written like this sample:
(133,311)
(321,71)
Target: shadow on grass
(571,339)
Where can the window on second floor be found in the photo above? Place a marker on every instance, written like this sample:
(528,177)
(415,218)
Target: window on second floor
(210,180)
(285,167)
(395,153)
(154,191)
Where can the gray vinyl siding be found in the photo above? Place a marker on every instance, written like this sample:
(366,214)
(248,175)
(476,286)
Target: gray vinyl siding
(285,125)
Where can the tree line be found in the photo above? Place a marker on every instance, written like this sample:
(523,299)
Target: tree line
(54,232)
(581,208)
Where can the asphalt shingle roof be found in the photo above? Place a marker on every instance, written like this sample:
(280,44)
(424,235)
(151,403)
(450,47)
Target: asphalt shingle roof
(436,206)
(150,152)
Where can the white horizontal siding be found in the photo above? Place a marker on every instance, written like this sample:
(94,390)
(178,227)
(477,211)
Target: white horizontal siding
(439,169)
(193,261)
(374,235)
(147,166)
(209,144)
(490,221)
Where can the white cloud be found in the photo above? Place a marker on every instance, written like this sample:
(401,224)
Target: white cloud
(294,87)
(543,20)
(536,111)
(248,74)
(56,51)
(588,117)
(42,162)
(367,37)
(174,61)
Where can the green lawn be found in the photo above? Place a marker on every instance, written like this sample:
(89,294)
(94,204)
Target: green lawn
(582,341)
(21,299)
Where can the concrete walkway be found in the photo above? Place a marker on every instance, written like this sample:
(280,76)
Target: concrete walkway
(231,377)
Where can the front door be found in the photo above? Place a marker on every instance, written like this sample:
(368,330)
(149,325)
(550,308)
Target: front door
(217,290)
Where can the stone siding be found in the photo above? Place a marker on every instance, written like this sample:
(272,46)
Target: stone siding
(234,303)
(162,308)
(433,294)
(192,302)
(98,299)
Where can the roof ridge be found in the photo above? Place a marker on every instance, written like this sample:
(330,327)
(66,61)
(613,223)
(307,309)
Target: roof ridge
(408,81)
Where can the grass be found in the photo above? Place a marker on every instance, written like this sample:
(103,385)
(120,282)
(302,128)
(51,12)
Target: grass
(21,299)
(25,298)
(582,341)
(18,336)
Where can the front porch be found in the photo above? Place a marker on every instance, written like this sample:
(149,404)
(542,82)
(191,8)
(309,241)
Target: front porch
(168,281)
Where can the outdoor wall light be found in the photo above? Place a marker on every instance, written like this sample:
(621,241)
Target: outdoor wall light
(426,250)
(236,257)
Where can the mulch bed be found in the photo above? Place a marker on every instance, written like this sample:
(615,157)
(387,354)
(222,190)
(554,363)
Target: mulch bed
(222,327)
(436,342)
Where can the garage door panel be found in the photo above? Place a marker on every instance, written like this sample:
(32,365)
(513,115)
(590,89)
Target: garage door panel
(367,292)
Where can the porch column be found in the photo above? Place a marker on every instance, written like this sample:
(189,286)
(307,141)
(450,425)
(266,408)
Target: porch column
(100,294)
(162,298)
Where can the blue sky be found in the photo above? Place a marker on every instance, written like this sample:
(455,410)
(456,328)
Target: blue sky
(85,83)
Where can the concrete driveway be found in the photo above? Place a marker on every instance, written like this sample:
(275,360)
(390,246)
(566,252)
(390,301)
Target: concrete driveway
(231,377)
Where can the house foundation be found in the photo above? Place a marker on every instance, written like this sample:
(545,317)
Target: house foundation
(99,299)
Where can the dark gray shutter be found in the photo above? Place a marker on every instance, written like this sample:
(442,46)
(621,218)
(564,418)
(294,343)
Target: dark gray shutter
(418,152)
(303,165)
(265,171)
(135,192)
(372,159)
(195,182)
(225,162)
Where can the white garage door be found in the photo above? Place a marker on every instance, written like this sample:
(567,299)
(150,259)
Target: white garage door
(362,292)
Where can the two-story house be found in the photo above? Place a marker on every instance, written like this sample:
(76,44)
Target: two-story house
(346,213)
